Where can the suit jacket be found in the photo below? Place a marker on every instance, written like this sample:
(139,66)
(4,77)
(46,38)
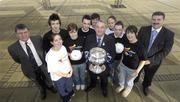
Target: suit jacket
(20,56)
(162,44)
(107,44)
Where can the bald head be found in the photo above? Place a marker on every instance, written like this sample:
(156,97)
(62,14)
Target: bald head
(100,28)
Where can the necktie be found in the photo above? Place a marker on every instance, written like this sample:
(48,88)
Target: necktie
(31,56)
(99,42)
(152,38)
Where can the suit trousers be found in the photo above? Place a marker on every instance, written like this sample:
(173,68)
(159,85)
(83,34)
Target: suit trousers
(103,77)
(40,80)
(149,72)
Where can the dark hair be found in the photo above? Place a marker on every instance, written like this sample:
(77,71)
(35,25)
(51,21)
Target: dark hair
(131,29)
(159,13)
(72,26)
(86,17)
(51,39)
(112,17)
(20,27)
(54,17)
(119,23)
(95,15)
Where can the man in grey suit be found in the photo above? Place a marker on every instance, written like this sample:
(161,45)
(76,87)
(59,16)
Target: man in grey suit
(158,41)
(28,52)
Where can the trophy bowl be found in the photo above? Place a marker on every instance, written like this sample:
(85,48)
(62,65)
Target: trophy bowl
(97,57)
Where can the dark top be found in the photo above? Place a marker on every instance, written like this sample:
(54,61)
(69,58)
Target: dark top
(85,34)
(161,47)
(78,43)
(19,55)
(135,55)
(46,38)
(107,44)
(122,40)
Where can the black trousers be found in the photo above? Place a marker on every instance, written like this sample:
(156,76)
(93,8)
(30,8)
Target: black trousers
(149,72)
(40,79)
(103,77)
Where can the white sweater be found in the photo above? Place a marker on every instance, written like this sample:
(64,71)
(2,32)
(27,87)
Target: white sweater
(57,61)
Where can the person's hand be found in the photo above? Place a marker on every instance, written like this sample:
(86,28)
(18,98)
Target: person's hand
(72,47)
(126,49)
(147,62)
(69,74)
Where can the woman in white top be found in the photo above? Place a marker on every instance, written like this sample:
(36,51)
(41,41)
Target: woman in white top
(60,68)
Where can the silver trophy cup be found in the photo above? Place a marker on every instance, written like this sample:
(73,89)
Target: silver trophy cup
(97,58)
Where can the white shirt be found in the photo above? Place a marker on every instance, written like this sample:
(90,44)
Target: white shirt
(108,31)
(30,44)
(57,61)
(157,30)
(102,37)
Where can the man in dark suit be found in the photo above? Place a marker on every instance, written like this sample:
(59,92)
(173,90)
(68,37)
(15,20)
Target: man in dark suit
(28,52)
(158,42)
(107,43)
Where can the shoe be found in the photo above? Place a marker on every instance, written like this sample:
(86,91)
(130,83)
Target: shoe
(82,87)
(146,91)
(77,87)
(43,94)
(89,88)
(119,89)
(66,98)
(126,92)
(104,92)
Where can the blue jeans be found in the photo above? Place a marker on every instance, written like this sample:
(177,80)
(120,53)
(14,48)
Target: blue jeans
(64,86)
(125,76)
(79,72)
(115,71)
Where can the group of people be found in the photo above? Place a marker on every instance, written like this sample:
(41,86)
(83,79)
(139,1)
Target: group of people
(60,58)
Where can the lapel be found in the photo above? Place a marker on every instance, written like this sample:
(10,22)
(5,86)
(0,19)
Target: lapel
(148,36)
(103,40)
(158,38)
(36,46)
(21,50)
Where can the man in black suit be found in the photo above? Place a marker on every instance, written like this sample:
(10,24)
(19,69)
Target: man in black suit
(158,42)
(28,52)
(107,43)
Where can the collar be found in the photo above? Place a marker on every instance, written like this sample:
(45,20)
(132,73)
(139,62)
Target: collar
(158,30)
(119,36)
(100,37)
(84,30)
(28,41)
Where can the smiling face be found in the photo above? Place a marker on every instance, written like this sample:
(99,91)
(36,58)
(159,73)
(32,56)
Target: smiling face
(55,26)
(57,41)
(22,34)
(131,36)
(100,29)
(73,34)
(86,24)
(118,30)
(111,22)
(157,21)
